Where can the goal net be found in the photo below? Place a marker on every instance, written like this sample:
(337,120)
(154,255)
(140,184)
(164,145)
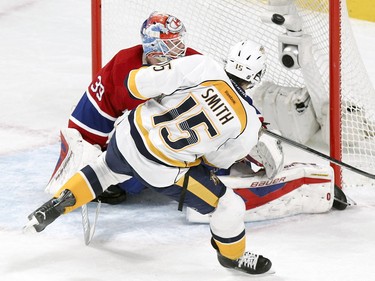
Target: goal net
(214,25)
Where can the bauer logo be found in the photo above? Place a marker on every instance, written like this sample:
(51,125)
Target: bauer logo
(174,25)
(267,182)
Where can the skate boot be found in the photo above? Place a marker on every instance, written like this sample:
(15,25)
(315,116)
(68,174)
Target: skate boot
(249,263)
(49,211)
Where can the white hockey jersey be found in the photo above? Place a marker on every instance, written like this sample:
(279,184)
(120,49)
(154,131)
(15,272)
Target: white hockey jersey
(194,113)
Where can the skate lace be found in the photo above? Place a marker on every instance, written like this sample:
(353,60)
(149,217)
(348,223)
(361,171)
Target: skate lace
(248,260)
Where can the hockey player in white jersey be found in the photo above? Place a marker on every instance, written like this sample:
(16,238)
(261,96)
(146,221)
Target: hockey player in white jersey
(197,114)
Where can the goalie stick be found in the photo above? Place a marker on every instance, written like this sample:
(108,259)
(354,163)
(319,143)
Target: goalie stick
(322,155)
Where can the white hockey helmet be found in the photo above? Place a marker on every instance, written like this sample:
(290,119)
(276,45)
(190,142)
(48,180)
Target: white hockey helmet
(247,61)
(163,36)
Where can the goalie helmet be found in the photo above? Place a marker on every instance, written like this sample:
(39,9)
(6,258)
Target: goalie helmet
(247,61)
(163,37)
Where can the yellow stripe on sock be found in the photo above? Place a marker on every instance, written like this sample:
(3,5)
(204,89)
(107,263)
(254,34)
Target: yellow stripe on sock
(234,250)
(81,190)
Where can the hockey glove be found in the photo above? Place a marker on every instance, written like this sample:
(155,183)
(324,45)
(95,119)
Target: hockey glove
(269,153)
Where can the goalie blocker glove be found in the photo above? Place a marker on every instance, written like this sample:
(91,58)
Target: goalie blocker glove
(49,211)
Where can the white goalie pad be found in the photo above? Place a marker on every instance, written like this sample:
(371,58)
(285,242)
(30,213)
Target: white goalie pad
(288,110)
(300,188)
(75,153)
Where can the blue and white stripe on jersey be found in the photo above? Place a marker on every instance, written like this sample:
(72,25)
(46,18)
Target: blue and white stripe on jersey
(90,117)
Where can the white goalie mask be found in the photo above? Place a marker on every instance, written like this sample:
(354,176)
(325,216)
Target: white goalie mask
(247,61)
(163,37)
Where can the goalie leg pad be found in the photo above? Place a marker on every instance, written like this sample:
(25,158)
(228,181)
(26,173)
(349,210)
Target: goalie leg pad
(75,154)
(301,188)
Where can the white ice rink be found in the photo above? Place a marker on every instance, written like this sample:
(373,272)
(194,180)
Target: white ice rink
(44,69)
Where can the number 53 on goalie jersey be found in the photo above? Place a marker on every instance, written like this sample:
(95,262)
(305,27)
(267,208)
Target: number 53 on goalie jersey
(195,113)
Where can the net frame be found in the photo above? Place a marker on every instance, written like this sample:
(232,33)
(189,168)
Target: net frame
(213,25)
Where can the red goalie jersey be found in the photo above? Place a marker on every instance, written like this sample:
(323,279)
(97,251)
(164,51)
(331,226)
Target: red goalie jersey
(107,97)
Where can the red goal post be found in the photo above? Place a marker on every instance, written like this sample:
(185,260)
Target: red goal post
(336,73)
(335,86)
(96,36)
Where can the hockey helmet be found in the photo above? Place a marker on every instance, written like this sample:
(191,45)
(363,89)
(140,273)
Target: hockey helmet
(163,36)
(247,61)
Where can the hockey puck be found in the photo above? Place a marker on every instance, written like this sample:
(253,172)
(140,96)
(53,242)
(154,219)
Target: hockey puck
(278,19)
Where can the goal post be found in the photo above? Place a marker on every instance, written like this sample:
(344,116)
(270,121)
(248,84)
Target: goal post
(334,75)
(335,86)
(96,36)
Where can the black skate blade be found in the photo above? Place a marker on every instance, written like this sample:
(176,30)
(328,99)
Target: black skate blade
(269,272)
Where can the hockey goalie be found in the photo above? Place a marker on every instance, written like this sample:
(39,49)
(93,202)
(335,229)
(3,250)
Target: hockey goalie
(269,188)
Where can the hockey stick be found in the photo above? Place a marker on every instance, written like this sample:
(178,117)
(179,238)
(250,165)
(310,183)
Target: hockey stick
(88,229)
(322,155)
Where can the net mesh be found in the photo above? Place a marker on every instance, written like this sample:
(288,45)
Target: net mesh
(214,25)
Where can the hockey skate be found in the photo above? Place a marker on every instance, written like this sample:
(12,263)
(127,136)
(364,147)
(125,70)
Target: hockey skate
(249,263)
(49,211)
